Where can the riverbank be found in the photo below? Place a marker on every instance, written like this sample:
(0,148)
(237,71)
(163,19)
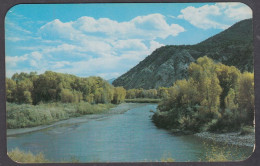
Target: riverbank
(233,138)
(119,109)
(27,115)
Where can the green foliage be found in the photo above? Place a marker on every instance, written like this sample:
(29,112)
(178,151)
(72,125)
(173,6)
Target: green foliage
(142,100)
(26,157)
(26,115)
(215,97)
(141,93)
(246,97)
(119,95)
(54,87)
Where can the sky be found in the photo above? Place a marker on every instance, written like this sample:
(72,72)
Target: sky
(106,39)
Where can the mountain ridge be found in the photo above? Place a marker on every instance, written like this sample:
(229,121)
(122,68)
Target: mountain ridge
(233,47)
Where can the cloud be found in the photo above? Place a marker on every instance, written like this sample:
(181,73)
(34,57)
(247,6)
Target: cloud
(129,44)
(11,61)
(210,16)
(88,46)
(236,11)
(154,45)
(14,39)
(60,64)
(10,26)
(146,27)
(36,55)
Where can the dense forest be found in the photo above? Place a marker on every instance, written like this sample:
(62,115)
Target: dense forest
(215,97)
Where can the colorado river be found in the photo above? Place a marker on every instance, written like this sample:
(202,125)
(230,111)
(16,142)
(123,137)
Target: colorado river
(127,137)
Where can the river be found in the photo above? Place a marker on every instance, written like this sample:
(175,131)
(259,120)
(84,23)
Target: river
(126,137)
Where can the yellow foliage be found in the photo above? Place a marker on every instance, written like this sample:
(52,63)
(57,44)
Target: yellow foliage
(26,157)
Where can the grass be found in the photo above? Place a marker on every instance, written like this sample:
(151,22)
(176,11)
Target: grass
(213,154)
(26,115)
(143,100)
(26,157)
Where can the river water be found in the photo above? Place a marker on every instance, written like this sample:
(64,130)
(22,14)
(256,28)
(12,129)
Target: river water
(126,137)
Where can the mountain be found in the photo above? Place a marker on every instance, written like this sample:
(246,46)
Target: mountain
(233,47)
(111,80)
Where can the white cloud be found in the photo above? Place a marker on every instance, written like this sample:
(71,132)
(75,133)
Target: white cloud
(14,39)
(154,45)
(211,16)
(34,63)
(237,11)
(57,29)
(11,26)
(103,47)
(60,64)
(129,44)
(36,55)
(60,48)
(146,27)
(11,61)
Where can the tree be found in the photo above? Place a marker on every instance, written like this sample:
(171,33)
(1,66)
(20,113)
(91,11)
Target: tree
(246,95)
(23,92)
(10,90)
(67,96)
(230,100)
(119,95)
(228,78)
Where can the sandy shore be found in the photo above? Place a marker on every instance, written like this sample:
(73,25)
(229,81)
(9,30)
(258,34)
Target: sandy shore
(121,108)
(233,138)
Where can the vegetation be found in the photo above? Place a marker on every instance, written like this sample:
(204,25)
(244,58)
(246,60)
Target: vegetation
(34,100)
(215,97)
(26,157)
(54,87)
(42,99)
(26,115)
(141,93)
(142,100)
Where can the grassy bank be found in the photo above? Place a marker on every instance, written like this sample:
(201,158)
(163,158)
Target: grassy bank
(142,100)
(26,115)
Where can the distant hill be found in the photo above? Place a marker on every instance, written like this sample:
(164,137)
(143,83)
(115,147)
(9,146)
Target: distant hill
(111,80)
(233,46)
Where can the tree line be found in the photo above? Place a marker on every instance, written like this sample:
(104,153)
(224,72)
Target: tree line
(53,87)
(214,97)
(30,88)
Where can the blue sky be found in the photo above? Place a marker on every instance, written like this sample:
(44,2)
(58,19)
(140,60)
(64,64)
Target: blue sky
(106,39)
